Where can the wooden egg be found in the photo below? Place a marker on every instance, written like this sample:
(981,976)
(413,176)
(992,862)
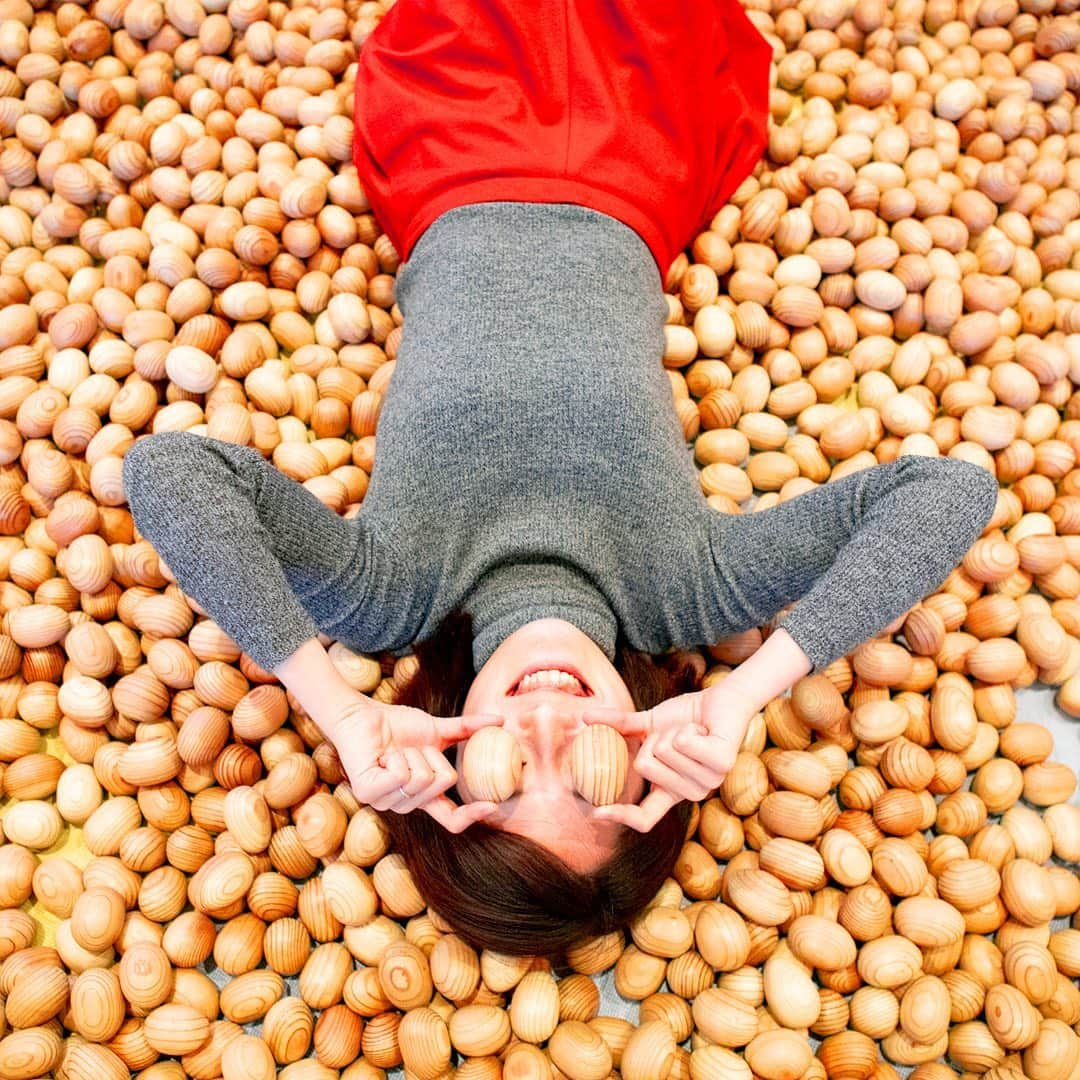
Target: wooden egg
(491,765)
(247,1057)
(35,824)
(289,780)
(1027,892)
(579,1052)
(524,1061)
(845,857)
(1054,1052)
(97,1004)
(723,1018)
(425,1043)
(1063,822)
(889,961)
(1047,783)
(792,815)
(97,918)
(649,1052)
(924,1009)
(579,998)
(1012,1019)
(709,1062)
(350,894)
(746,785)
(818,703)
(249,996)
(150,762)
(321,822)
(800,771)
(778,1055)
(797,865)
(479,1030)
(697,872)
(662,931)
(34,1001)
(30,1052)
(146,975)
(405,976)
(672,1010)
(849,1053)
(882,663)
(37,625)
(926,921)
(176,1029)
(821,943)
(898,868)
(879,721)
(790,992)
(286,946)
(288,1027)
(221,881)
(760,896)
(638,973)
(534,1008)
(1064,946)
(721,937)
(599,763)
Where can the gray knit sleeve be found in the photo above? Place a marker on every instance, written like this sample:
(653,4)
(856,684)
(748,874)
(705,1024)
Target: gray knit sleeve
(855,554)
(253,547)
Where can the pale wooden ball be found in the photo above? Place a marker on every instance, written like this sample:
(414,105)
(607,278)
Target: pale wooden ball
(491,765)
(599,763)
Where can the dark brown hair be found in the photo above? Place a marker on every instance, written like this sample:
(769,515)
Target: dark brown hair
(504,892)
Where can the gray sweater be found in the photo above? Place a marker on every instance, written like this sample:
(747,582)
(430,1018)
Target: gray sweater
(530,464)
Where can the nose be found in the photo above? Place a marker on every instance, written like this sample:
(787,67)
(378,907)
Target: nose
(548,727)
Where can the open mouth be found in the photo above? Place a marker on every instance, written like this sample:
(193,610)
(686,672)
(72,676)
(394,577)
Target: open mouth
(559,679)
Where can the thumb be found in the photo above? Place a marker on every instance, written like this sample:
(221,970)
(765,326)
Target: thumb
(456,819)
(625,723)
(454,729)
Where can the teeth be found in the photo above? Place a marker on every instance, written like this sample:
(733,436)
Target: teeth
(560,680)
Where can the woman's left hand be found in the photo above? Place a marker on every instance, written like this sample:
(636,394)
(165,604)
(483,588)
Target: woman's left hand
(690,745)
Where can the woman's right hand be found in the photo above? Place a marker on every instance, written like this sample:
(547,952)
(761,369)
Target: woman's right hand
(393,757)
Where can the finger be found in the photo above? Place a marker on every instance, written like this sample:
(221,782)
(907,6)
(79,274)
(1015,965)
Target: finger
(716,752)
(397,767)
(631,724)
(687,766)
(663,776)
(444,776)
(640,818)
(457,819)
(455,729)
(420,774)
(378,781)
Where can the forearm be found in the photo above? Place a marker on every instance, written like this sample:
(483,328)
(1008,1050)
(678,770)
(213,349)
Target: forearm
(310,676)
(776,666)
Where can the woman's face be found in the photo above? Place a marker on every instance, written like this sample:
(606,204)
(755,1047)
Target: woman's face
(544,713)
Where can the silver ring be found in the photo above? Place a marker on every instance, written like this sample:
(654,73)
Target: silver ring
(404,793)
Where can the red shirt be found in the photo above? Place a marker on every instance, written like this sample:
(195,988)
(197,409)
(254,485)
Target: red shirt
(650,112)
